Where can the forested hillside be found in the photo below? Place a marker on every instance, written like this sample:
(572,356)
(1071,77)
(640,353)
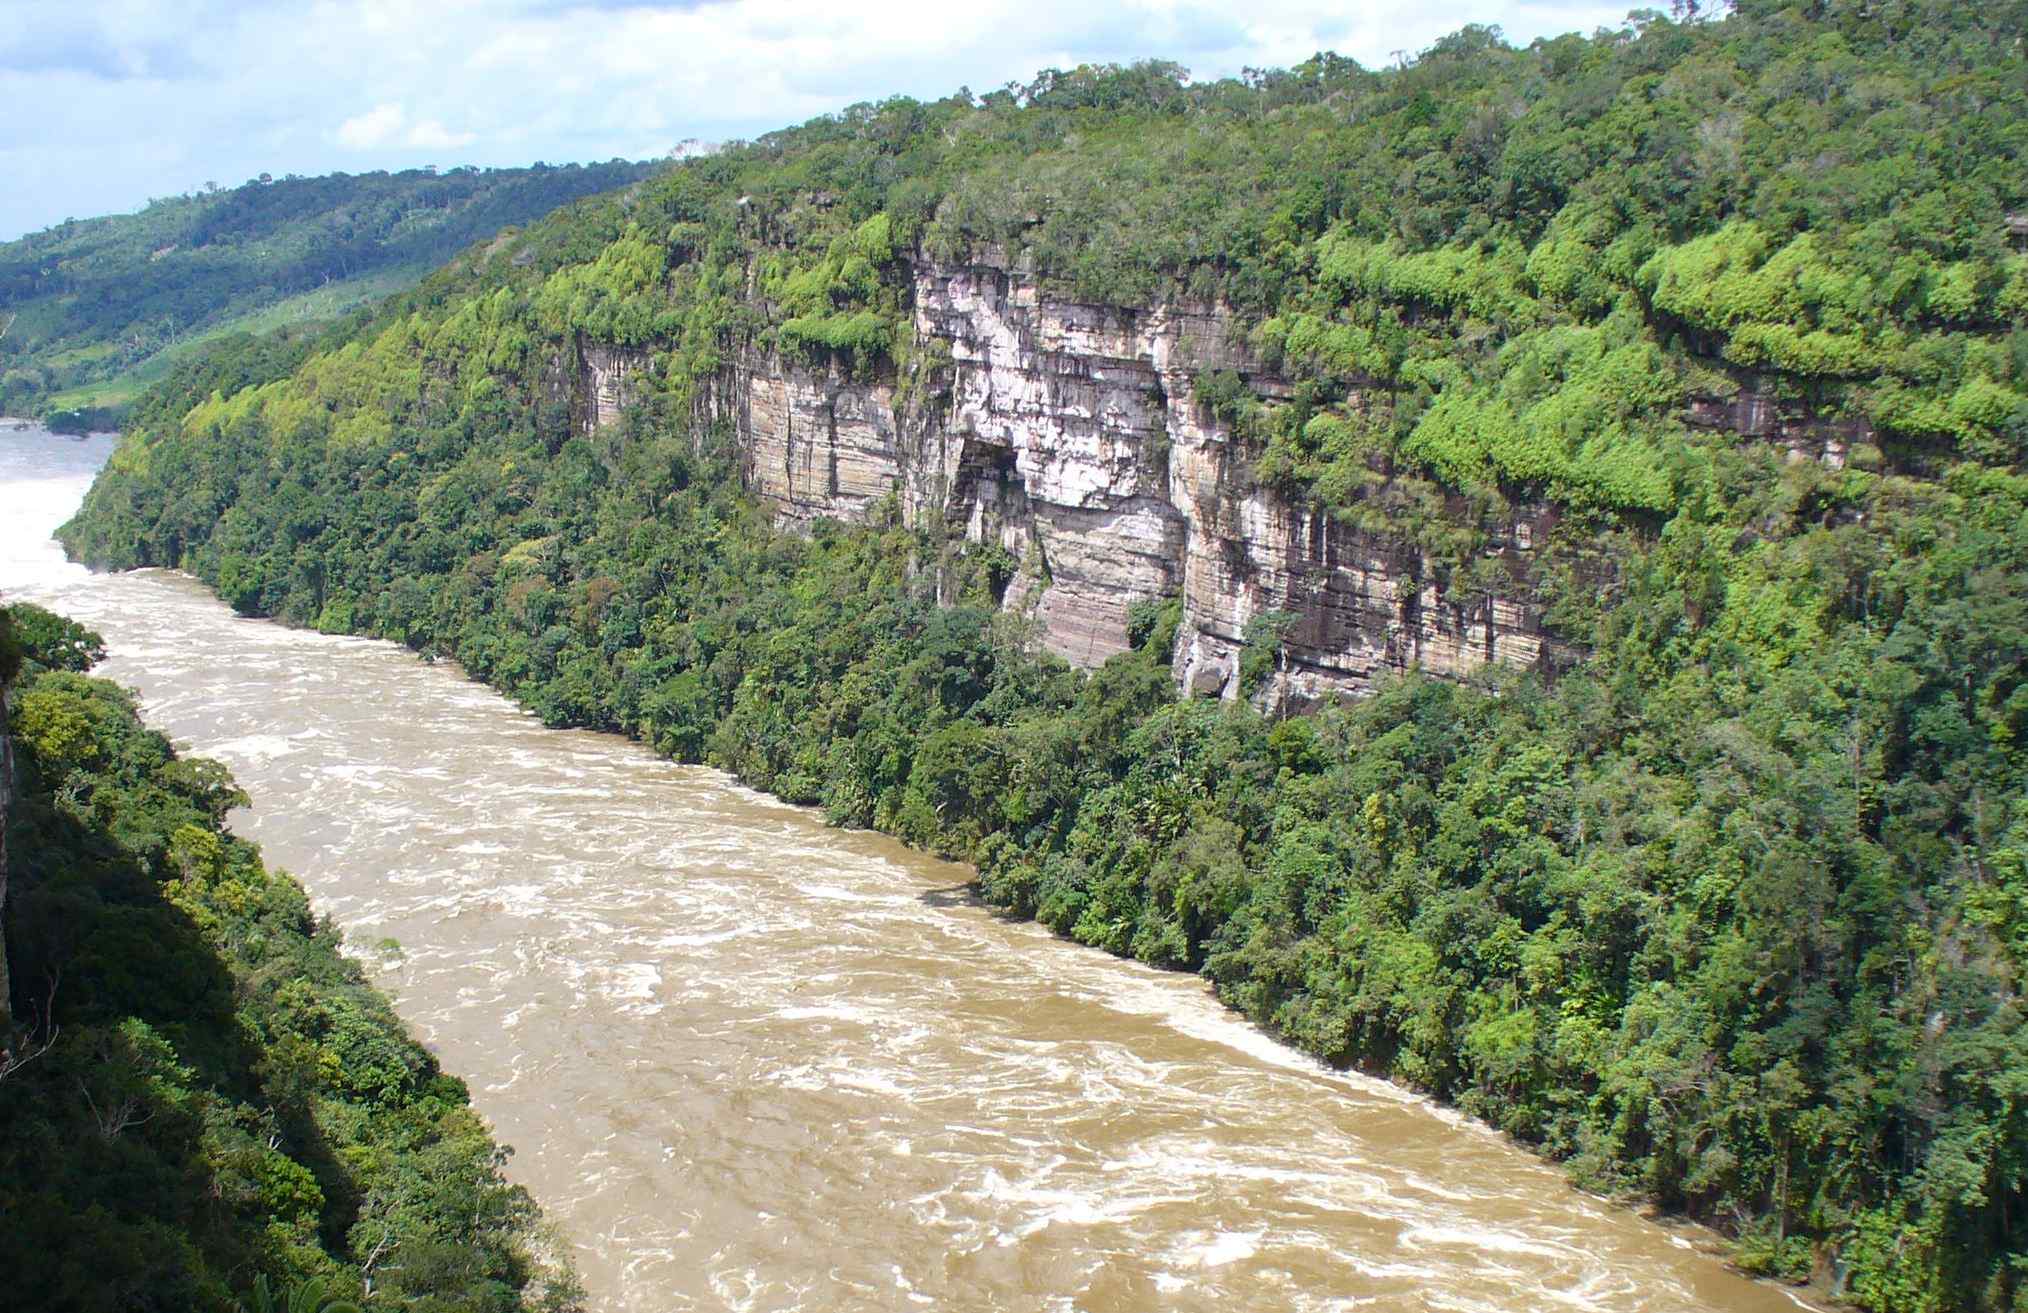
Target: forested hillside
(1730,914)
(196,1089)
(88,308)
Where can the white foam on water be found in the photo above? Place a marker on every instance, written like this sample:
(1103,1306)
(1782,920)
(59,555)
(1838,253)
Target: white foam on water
(360,774)
(1046,1206)
(829,1011)
(1229,1247)
(255,748)
(836,894)
(1483,1241)
(867,1082)
(697,940)
(528,900)
(1192,1010)
(634,982)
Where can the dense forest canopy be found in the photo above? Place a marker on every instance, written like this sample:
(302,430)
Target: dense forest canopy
(88,308)
(1731,915)
(197,1091)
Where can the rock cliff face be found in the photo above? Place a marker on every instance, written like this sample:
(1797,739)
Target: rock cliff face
(1071,436)
(608,378)
(1757,413)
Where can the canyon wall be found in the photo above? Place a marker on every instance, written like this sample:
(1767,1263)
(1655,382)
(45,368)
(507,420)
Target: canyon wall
(1071,435)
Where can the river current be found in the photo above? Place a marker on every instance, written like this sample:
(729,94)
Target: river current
(752,1062)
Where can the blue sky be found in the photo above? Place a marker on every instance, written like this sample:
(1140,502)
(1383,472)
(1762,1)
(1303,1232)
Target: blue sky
(111,102)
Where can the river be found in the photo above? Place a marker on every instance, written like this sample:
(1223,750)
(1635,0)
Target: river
(752,1062)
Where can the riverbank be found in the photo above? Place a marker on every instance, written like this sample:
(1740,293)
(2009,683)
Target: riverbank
(1213,1013)
(741,1051)
(207,1023)
(12,424)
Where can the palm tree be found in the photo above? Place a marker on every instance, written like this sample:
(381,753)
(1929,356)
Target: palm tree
(305,1296)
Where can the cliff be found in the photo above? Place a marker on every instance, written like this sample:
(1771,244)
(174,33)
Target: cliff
(1071,435)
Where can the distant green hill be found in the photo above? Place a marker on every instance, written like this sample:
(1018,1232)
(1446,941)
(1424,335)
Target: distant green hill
(93,310)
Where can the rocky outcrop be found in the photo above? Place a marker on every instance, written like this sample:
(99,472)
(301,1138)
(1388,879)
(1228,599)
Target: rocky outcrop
(1755,412)
(1354,605)
(1054,440)
(608,378)
(813,443)
(1071,435)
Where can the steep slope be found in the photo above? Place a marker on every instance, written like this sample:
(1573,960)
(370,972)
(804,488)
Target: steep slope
(90,309)
(196,1089)
(1663,392)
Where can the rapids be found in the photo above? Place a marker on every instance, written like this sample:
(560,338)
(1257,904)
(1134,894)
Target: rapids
(751,1062)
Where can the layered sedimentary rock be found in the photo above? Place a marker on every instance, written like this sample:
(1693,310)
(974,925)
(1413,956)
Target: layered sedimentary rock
(1355,605)
(1071,435)
(1053,440)
(609,377)
(1790,424)
(814,443)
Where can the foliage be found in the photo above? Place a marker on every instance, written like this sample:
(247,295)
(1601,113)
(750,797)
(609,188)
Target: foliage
(217,1098)
(304,1297)
(58,642)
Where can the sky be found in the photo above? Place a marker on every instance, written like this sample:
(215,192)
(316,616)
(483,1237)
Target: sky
(105,104)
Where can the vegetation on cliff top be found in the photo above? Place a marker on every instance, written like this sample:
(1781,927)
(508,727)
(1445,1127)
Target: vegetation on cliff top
(196,1089)
(1733,915)
(92,311)
(1499,271)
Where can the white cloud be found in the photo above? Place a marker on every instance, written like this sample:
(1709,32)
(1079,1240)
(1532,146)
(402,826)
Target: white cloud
(229,89)
(432,135)
(377,127)
(387,125)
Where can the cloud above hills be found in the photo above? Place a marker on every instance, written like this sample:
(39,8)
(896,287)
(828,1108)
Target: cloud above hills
(120,100)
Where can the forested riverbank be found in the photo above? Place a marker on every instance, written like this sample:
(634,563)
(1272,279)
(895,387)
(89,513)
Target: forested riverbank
(197,1090)
(1727,911)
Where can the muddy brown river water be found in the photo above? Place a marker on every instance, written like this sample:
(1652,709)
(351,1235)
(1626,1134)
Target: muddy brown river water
(751,1062)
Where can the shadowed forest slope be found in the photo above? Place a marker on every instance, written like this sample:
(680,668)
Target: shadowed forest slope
(196,1089)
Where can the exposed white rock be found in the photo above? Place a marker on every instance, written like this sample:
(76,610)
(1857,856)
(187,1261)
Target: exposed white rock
(1070,434)
(609,382)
